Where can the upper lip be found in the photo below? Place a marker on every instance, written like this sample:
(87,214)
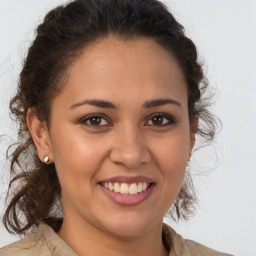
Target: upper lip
(128,179)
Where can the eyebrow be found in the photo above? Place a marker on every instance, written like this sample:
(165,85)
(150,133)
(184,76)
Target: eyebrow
(96,103)
(160,102)
(108,104)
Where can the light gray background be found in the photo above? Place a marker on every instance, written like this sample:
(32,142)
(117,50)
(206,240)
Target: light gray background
(225,34)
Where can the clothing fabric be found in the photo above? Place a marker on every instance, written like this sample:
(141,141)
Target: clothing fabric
(45,242)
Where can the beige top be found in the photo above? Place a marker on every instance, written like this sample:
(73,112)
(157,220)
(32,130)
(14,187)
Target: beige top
(46,242)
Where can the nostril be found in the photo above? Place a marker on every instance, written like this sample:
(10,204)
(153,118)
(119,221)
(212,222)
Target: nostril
(130,158)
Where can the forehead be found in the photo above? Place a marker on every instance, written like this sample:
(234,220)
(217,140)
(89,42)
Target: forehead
(114,68)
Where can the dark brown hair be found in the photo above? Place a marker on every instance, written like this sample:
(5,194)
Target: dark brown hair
(34,190)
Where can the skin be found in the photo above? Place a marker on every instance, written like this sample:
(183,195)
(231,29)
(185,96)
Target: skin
(125,142)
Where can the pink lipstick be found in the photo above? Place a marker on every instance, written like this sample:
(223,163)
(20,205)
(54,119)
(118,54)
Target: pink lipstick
(127,191)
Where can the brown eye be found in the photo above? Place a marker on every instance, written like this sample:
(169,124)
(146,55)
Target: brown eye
(160,119)
(95,120)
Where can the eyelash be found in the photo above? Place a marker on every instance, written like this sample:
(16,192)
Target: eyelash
(170,120)
(90,117)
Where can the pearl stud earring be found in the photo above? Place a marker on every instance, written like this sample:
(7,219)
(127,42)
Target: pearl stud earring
(46,159)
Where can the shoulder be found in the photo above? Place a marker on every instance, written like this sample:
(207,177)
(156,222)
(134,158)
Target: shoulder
(183,247)
(22,247)
(199,249)
(44,242)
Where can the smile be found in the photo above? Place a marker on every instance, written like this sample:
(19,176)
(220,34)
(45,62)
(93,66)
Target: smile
(125,188)
(127,191)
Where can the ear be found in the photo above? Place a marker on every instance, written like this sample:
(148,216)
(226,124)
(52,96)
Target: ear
(193,131)
(40,135)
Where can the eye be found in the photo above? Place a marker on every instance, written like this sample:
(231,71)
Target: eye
(95,120)
(160,119)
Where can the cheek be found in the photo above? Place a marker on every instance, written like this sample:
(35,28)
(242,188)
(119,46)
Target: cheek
(171,160)
(171,155)
(76,157)
(172,151)
(173,167)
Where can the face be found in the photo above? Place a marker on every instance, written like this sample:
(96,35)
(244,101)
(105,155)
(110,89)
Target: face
(120,136)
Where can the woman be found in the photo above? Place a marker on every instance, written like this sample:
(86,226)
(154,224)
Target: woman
(109,104)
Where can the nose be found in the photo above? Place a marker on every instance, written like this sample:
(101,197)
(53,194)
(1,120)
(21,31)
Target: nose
(130,150)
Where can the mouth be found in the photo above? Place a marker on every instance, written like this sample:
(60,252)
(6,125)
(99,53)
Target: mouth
(127,191)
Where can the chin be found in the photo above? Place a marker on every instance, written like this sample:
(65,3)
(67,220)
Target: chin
(125,226)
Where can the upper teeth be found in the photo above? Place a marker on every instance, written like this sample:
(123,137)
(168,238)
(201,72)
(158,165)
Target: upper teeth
(125,188)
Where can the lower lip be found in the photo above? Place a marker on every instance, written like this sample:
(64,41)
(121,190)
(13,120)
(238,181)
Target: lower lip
(128,200)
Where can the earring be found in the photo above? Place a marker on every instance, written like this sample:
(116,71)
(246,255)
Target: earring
(46,159)
(187,167)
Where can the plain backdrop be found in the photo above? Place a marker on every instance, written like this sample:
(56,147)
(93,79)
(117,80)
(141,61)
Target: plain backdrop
(225,174)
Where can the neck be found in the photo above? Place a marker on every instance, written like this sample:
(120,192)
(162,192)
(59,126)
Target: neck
(87,240)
